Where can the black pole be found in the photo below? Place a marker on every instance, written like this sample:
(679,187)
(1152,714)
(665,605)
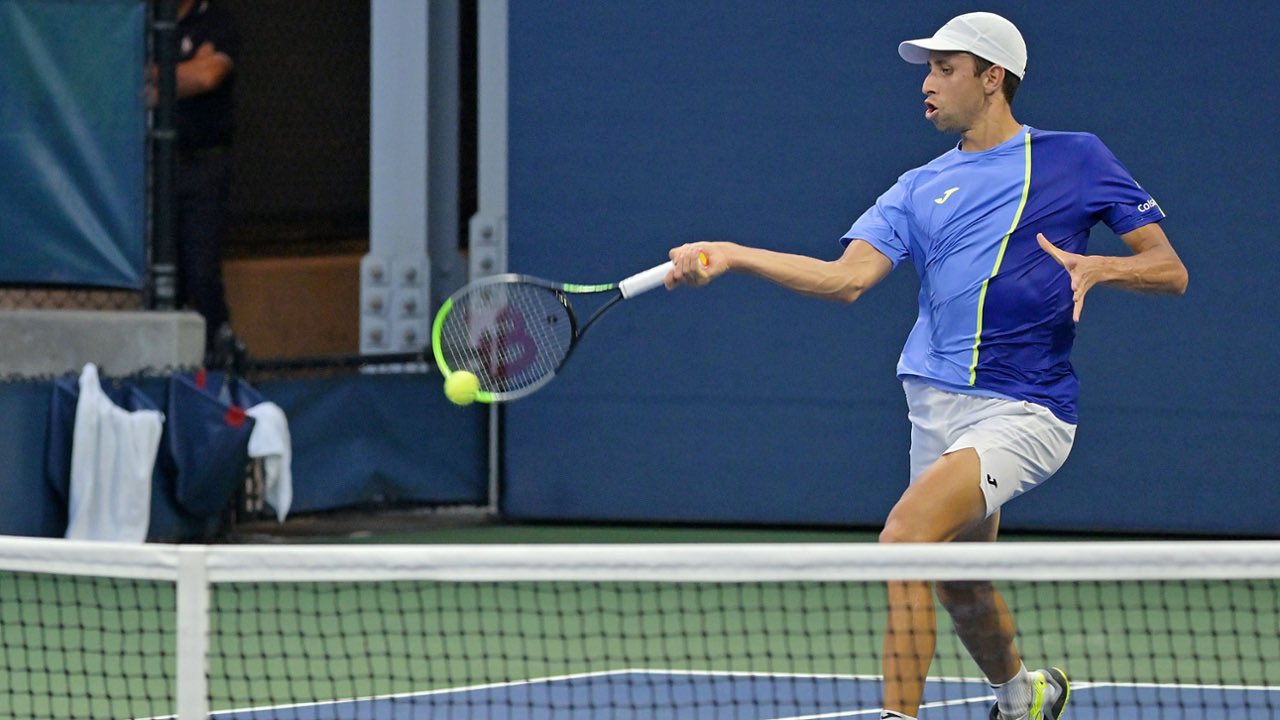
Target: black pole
(164,140)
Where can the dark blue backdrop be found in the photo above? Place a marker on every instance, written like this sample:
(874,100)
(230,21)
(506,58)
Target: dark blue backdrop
(636,126)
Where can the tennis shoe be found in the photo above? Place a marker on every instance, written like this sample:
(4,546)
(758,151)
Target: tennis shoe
(1050,692)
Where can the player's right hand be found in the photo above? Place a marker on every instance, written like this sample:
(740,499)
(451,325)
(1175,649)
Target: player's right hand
(696,264)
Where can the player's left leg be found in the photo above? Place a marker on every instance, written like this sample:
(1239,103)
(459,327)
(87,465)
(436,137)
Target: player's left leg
(943,503)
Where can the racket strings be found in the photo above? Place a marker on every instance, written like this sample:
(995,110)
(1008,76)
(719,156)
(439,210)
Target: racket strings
(511,336)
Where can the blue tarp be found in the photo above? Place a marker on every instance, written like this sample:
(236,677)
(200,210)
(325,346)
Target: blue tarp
(72,142)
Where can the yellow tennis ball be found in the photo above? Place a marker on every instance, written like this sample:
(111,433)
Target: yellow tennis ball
(461,387)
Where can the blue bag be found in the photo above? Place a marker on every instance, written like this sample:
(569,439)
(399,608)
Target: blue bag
(207,440)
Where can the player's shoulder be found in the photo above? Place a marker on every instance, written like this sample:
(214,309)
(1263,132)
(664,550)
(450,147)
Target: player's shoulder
(1067,139)
(1071,149)
(933,167)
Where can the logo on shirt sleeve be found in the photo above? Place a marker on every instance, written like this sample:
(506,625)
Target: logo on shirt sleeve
(1150,203)
(946,195)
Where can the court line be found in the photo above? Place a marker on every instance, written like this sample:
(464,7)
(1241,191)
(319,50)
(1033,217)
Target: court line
(1086,685)
(1078,685)
(416,693)
(625,671)
(876,711)
(552,679)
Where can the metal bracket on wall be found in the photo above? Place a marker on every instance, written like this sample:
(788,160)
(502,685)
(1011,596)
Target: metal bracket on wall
(487,241)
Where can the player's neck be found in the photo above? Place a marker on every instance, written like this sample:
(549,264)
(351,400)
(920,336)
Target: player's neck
(993,128)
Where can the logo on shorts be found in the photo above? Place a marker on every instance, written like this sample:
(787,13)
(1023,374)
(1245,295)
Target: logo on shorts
(992,481)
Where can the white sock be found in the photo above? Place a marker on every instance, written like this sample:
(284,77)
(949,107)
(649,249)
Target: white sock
(891,715)
(1014,695)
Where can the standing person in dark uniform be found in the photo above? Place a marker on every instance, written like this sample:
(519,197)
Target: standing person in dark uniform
(208,45)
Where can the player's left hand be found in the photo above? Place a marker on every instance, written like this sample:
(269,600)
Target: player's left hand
(1085,271)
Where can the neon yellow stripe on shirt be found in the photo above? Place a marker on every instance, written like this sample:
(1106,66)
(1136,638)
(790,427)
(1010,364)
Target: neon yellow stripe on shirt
(1004,244)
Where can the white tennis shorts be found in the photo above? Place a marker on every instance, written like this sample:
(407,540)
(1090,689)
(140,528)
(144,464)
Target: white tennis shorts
(1019,444)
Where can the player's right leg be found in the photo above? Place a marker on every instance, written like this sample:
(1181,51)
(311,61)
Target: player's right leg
(1019,445)
(1050,691)
(985,626)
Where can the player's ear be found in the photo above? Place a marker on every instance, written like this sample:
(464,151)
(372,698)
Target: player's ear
(993,79)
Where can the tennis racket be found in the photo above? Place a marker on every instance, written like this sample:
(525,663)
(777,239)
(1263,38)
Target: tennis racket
(515,332)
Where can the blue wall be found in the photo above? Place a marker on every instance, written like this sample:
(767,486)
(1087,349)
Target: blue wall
(636,126)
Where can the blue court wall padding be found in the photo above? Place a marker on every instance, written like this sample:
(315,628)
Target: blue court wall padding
(381,438)
(28,504)
(357,440)
(72,142)
(638,126)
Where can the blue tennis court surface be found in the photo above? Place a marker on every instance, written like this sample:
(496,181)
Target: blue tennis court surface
(649,694)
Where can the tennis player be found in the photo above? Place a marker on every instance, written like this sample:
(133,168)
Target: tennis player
(996,229)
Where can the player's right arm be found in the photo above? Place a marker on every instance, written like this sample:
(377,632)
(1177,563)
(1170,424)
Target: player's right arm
(844,279)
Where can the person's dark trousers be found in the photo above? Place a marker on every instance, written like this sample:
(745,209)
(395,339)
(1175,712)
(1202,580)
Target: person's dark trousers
(204,184)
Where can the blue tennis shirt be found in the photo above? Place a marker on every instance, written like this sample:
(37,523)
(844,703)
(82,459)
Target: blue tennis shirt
(995,309)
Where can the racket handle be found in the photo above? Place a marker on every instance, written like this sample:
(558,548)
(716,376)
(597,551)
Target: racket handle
(643,282)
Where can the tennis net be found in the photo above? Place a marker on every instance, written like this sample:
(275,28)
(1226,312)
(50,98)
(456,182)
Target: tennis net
(90,630)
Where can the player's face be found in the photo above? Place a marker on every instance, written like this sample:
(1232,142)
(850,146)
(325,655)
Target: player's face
(953,90)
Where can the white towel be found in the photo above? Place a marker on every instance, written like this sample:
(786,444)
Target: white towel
(113,452)
(270,441)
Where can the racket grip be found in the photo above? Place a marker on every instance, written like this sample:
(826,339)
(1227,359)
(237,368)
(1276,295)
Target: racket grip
(643,282)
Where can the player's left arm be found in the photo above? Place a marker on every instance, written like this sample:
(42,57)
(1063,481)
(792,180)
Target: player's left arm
(1153,267)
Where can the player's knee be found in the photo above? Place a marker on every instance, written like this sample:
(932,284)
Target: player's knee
(961,593)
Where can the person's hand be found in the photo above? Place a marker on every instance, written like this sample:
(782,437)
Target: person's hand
(696,264)
(1085,271)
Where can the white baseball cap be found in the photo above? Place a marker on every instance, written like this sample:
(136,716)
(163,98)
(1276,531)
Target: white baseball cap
(984,34)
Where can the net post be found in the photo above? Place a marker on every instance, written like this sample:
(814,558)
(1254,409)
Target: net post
(193,633)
